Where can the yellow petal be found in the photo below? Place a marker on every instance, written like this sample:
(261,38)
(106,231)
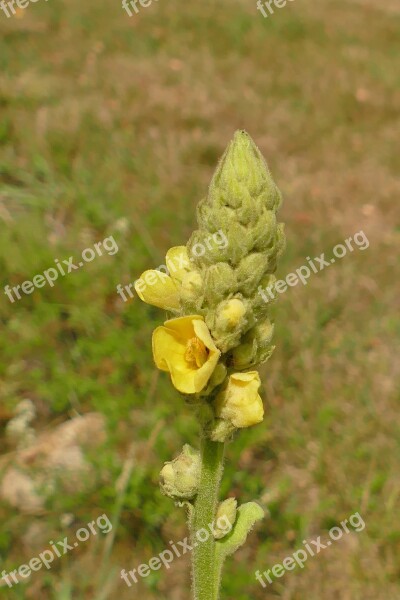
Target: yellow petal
(178,263)
(157,289)
(183,326)
(166,344)
(202,332)
(203,375)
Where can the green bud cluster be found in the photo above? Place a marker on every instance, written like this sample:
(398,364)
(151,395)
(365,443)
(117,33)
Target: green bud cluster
(242,203)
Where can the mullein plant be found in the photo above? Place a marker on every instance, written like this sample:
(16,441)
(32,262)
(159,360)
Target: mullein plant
(217,334)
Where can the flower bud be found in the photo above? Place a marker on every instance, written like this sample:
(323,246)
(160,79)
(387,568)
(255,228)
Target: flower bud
(225,518)
(241,166)
(220,282)
(217,378)
(191,292)
(179,479)
(264,231)
(244,355)
(228,322)
(263,333)
(256,346)
(230,313)
(240,402)
(203,252)
(249,272)
(212,220)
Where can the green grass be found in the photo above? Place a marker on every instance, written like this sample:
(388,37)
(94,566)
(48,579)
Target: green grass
(113,126)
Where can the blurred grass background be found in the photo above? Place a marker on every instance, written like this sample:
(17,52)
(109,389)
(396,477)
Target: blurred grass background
(111,125)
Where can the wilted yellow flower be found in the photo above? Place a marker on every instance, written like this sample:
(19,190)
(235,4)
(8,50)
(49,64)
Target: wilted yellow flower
(240,402)
(178,263)
(184,348)
(159,289)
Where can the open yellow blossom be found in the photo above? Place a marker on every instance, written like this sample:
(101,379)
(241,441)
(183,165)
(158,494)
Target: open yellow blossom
(184,348)
(240,402)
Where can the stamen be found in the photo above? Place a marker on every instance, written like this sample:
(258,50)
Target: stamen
(196,353)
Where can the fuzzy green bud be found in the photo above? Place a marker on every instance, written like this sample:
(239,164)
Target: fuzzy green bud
(216,379)
(225,518)
(228,322)
(244,355)
(250,272)
(247,515)
(231,313)
(179,479)
(220,282)
(255,348)
(191,290)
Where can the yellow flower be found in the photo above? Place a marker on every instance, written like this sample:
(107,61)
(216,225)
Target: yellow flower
(159,289)
(184,348)
(178,263)
(240,402)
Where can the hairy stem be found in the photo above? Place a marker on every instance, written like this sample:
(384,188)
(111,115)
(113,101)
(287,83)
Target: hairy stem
(206,568)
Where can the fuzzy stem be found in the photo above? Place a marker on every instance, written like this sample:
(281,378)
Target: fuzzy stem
(206,568)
